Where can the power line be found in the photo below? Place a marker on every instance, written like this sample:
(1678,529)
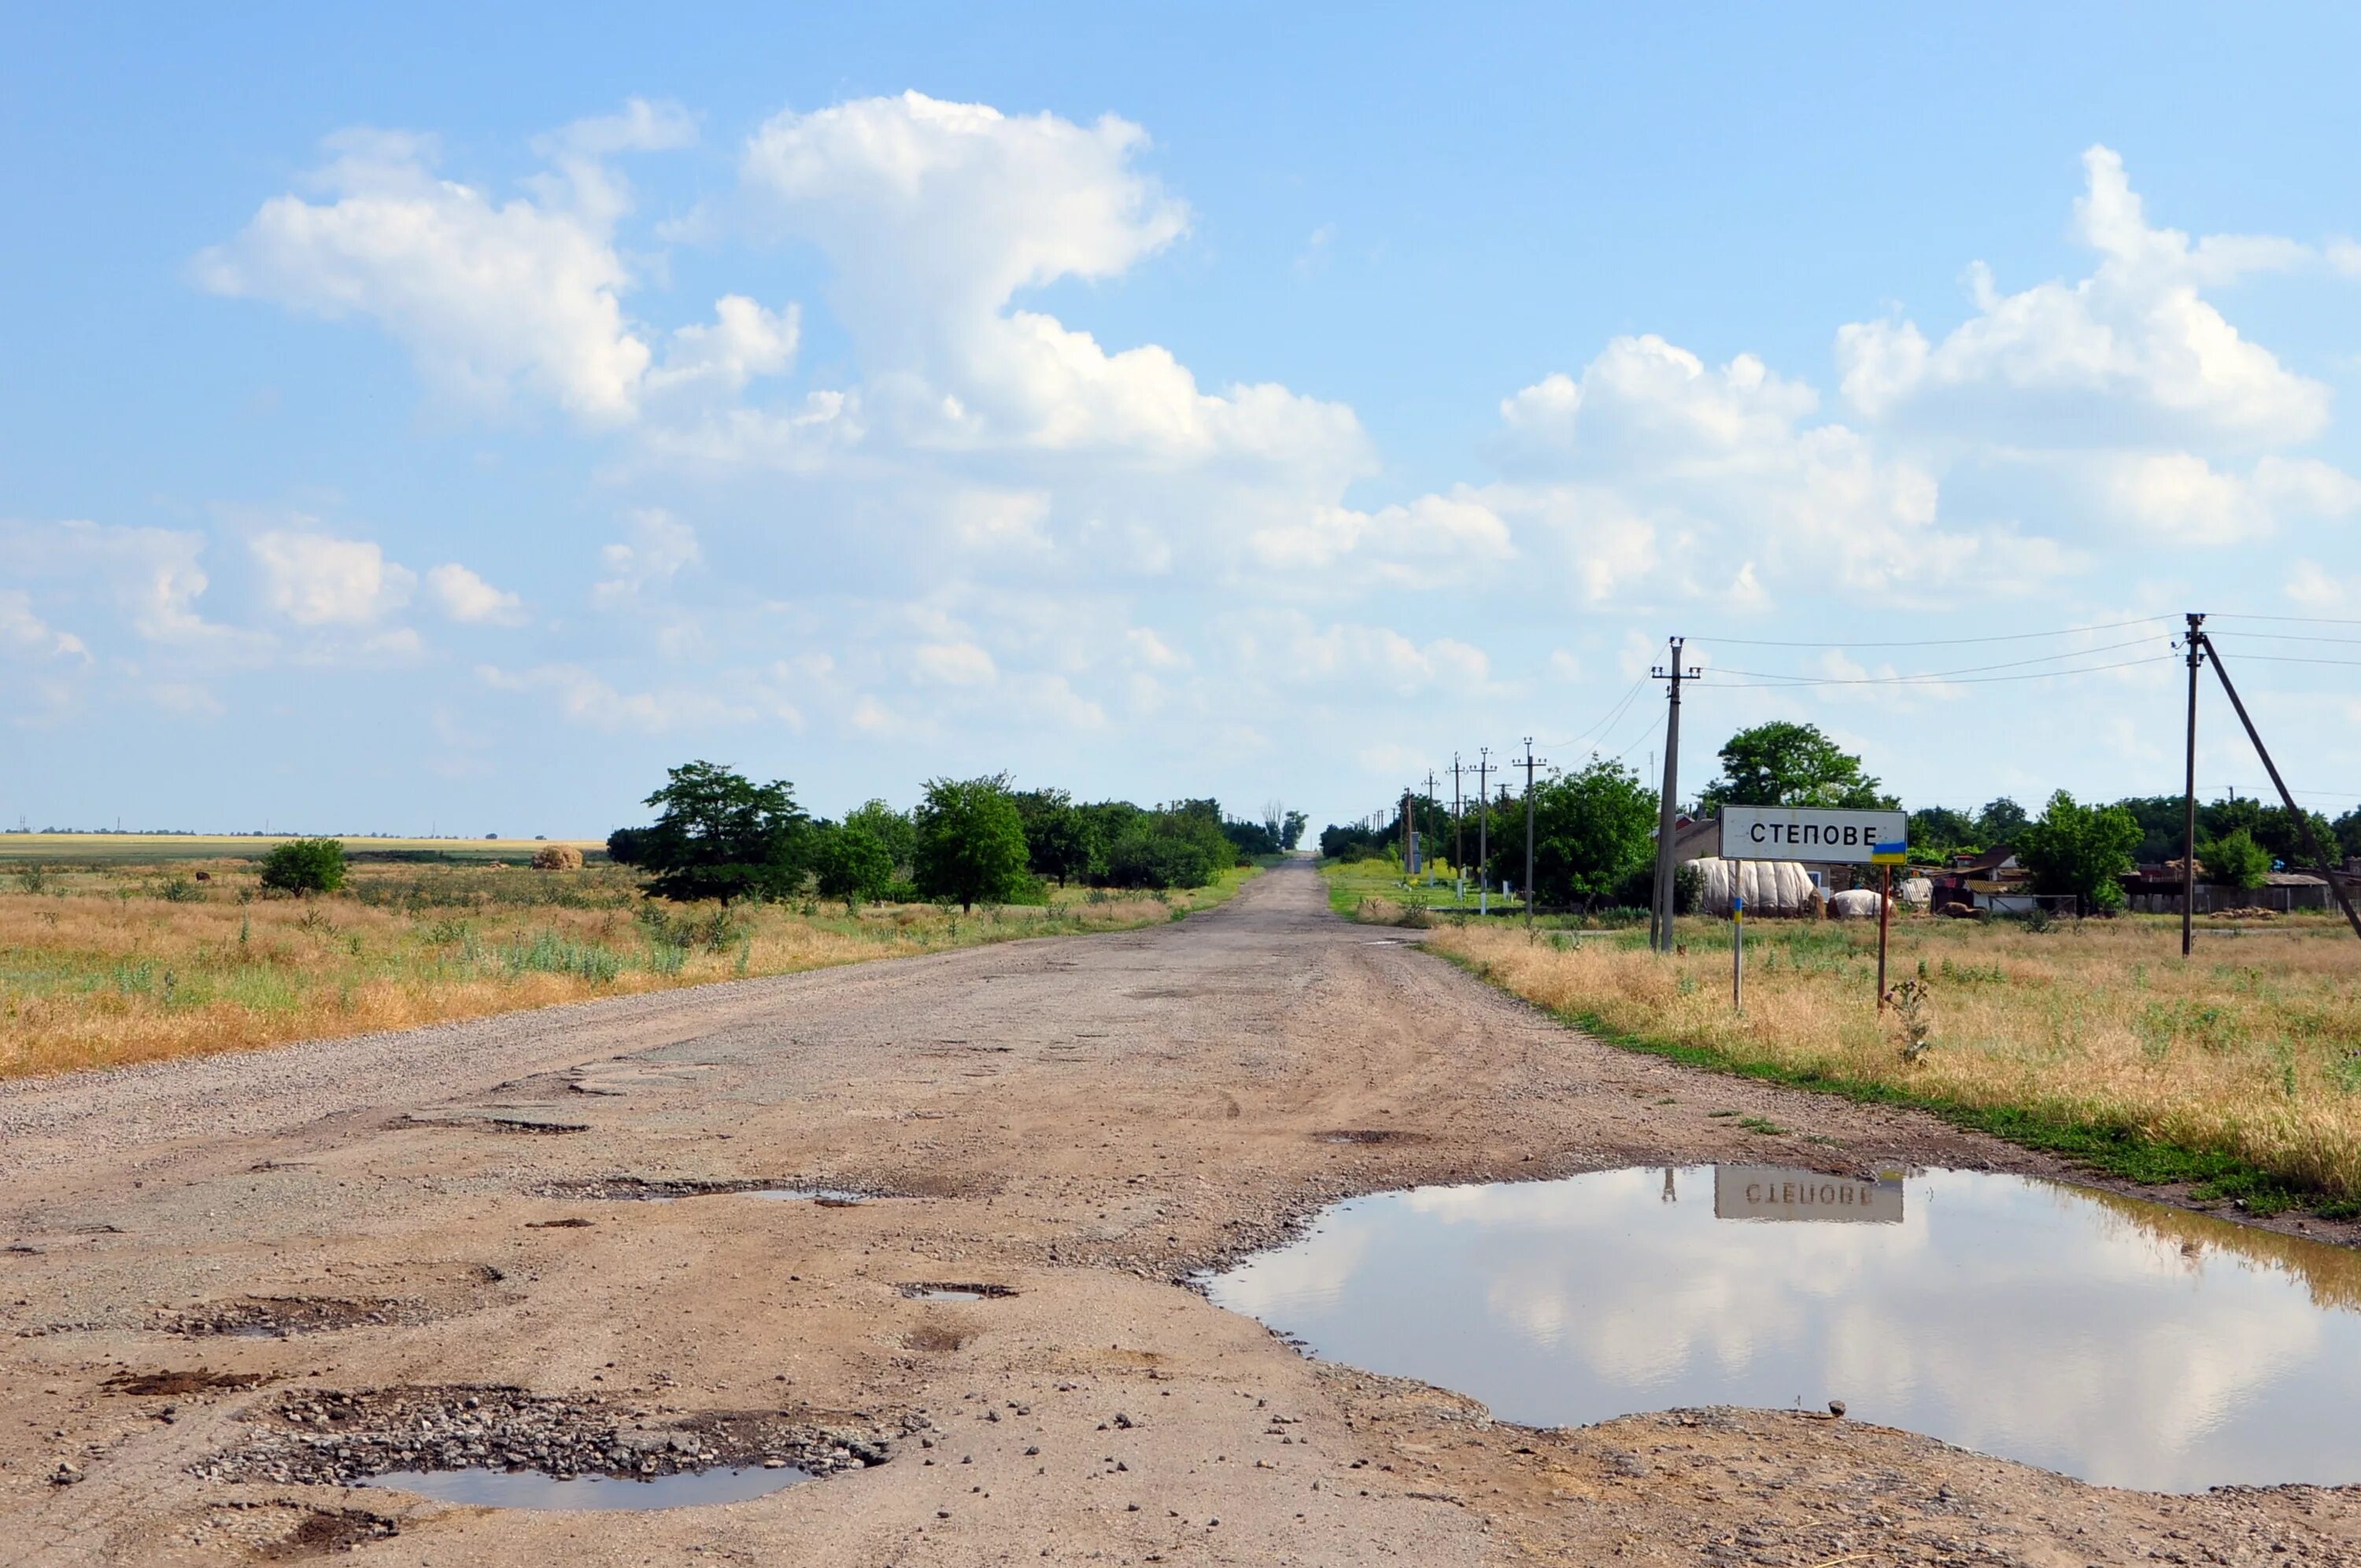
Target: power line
(1784,683)
(1946,641)
(2296,636)
(2286,659)
(1612,715)
(1938,675)
(2292,619)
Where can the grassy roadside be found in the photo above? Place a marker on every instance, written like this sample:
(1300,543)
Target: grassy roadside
(1376,889)
(2239,1073)
(109,964)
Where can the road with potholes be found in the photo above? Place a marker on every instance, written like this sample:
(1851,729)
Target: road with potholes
(235,1286)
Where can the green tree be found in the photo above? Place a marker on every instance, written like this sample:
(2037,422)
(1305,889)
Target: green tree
(2348,830)
(1180,844)
(1939,831)
(2000,822)
(2235,860)
(848,862)
(1592,830)
(1785,764)
(892,830)
(1060,839)
(1291,832)
(720,835)
(305,865)
(2083,849)
(971,841)
(2277,830)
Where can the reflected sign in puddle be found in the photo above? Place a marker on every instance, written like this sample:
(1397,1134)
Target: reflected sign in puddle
(2121,1342)
(534,1489)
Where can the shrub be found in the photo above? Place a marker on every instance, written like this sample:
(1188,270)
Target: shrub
(557,858)
(301,866)
(851,865)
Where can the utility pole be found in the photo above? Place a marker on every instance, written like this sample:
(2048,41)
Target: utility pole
(1483,833)
(1659,915)
(2196,645)
(1426,852)
(2303,821)
(1529,835)
(1458,832)
(1408,854)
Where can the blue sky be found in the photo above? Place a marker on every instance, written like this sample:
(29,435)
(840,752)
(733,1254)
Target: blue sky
(421,420)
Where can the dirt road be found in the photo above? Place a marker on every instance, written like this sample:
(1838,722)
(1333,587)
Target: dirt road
(401,1251)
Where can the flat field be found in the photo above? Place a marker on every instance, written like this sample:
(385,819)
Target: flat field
(2240,1068)
(157,848)
(127,960)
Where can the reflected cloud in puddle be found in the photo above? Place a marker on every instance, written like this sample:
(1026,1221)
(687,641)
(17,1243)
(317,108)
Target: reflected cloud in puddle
(534,1489)
(2118,1341)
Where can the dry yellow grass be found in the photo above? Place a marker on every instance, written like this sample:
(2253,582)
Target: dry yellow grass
(2251,1050)
(109,965)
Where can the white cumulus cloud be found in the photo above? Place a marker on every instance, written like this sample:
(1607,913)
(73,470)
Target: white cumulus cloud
(315,580)
(463,595)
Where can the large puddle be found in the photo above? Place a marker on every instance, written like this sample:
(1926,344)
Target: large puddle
(2121,1342)
(532,1489)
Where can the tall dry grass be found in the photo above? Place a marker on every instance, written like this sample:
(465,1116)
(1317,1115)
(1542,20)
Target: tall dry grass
(2252,1049)
(101,966)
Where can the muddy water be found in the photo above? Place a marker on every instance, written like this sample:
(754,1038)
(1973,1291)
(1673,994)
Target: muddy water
(532,1489)
(2117,1341)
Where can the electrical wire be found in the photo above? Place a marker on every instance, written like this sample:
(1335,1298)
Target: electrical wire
(2295,637)
(1613,714)
(2286,659)
(2290,620)
(1943,641)
(1784,683)
(1933,674)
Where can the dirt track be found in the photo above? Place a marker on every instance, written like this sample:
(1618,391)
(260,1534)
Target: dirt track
(1083,1121)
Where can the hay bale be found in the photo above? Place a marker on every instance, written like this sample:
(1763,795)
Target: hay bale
(557,858)
(1858,904)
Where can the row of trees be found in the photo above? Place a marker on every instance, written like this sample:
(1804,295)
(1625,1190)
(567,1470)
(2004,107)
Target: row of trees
(720,835)
(1594,835)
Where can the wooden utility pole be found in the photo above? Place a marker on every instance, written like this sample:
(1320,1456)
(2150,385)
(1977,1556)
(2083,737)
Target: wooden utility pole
(2196,645)
(1660,912)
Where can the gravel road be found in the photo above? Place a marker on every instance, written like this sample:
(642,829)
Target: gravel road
(238,1285)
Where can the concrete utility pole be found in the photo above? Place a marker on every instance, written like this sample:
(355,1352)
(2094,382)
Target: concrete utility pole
(1458,832)
(1529,834)
(1483,833)
(1660,913)
(2302,821)
(1408,857)
(2196,644)
(1426,852)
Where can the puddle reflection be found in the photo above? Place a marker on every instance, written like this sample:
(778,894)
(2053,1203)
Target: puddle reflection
(534,1489)
(2114,1340)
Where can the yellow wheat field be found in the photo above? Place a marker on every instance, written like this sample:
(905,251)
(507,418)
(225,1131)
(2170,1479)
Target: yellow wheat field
(102,966)
(2251,1048)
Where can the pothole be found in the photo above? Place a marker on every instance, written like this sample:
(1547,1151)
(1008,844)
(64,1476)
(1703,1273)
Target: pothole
(956,1290)
(180,1384)
(2121,1342)
(398,1436)
(280,1531)
(532,1489)
(1370,1135)
(277,1317)
(667,1188)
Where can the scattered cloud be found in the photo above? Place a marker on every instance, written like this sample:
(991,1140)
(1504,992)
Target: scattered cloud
(464,596)
(312,579)
(2133,348)
(661,547)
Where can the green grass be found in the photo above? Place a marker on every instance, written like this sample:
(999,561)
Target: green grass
(1350,882)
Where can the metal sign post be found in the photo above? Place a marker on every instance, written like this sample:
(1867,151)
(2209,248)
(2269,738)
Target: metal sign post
(1738,953)
(1884,907)
(1879,839)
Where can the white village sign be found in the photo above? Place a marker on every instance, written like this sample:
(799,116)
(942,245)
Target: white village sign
(1811,833)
